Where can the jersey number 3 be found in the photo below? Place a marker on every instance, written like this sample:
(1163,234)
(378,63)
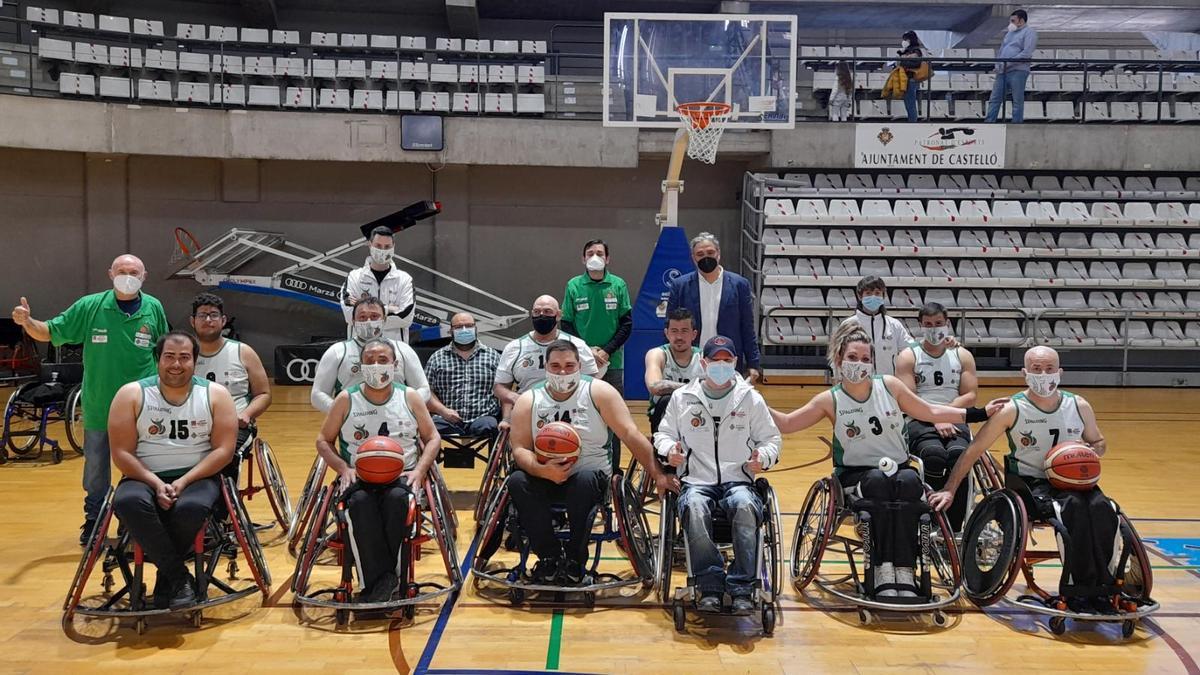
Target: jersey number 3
(876,427)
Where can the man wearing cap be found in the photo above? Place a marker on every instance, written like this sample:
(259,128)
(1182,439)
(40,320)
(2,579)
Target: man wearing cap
(718,434)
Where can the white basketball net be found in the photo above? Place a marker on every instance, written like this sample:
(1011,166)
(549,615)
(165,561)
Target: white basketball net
(705,122)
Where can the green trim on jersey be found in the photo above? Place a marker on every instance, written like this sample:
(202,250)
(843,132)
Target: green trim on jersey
(343,445)
(1010,460)
(838,451)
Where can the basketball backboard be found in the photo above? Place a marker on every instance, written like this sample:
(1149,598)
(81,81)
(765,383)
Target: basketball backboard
(654,62)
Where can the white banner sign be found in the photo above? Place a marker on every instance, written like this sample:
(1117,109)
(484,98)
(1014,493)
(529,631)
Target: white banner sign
(928,146)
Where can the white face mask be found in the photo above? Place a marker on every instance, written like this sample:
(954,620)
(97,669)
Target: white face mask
(381,256)
(127,284)
(936,335)
(1012,27)
(904,44)
(377,375)
(855,371)
(562,383)
(595,264)
(720,372)
(1042,384)
(365,330)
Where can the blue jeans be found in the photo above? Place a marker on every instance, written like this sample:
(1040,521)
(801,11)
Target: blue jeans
(910,99)
(97,472)
(1014,82)
(743,509)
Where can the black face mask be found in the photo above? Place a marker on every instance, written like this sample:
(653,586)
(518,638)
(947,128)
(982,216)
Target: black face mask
(707,264)
(543,325)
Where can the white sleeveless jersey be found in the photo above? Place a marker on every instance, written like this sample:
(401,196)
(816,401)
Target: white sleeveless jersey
(595,451)
(349,371)
(1035,432)
(173,438)
(674,372)
(937,377)
(524,359)
(226,369)
(866,431)
(391,418)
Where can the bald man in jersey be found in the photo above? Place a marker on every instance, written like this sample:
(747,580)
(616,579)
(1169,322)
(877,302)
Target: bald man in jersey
(117,328)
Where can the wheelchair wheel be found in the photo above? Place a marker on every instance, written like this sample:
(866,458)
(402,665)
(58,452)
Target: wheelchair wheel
(442,518)
(1139,577)
(667,527)
(92,554)
(993,547)
(447,506)
(246,537)
(492,530)
(75,419)
(304,507)
(493,477)
(277,493)
(944,552)
(813,529)
(633,528)
(773,555)
(22,422)
(311,539)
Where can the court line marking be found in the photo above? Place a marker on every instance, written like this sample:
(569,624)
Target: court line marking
(476,671)
(554,648)
(1189,664)
(439,627)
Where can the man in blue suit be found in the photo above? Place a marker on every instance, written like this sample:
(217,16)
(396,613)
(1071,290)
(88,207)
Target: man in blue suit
(721,302)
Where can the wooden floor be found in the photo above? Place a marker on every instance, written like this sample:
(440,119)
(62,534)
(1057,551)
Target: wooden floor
(1151,469)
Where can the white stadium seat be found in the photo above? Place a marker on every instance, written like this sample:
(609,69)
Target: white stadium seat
(1037,300)
(1171,334)
(810,268)
(1071,269)
(1142,214)
(1005,332)
(775,297)
(1007,239)
(1073,240)
(1137,300)
(840,298)
(771,236)
(193,92)
(829,182)
(945,238)
(1104,332)
(1076,213)
(1106,240)
(1140,187)
(876,238)
(1169,301)
(1006,212)
(1040,240)
(940,269)
(1043,213)
(942,296)
(973,238)
(1172,188)
(903,298)
(263,95)
(812,210)
(846,211)
(400,100)
(1039,270)
(875,266)
(842,238)
(913,238)
(298,97)
(1140,335)
(76,84)
(154,90)
(972,299)
(1173,241)
(984,184)
(907,268)
(1103,300)
(809,237)
(779,207)
(1138,241)
(1048,187)
(1080,187)
(285,37)
(233,94)
(808,297)
(1109,214)
(1004,299)
(974,269)
(367,99)
(1072,334)
(841,267)
(903,211)
(877,211)
(777,266)
(943,211)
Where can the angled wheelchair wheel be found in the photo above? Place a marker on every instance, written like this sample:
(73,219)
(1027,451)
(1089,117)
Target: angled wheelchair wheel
(817,520)
(943,553)
(633,528)
(492,531)
(92,554)
(22,422)
(439,482)
(74,421)
(993,547)
(277,492)
(667,529)
(1139,577)
(305,505)
(773,555)
(312,539)
(245,536)
(442,519)
(494,475)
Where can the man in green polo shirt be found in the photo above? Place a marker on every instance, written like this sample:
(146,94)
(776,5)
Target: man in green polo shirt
(118,329)
(596,308)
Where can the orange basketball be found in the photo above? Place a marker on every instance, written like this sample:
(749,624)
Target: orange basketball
(379,460)
(556,440)
(1072,466)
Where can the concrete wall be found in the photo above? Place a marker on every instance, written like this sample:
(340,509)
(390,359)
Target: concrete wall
(516,231)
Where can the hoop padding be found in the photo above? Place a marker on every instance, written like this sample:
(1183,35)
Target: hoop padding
(704,122)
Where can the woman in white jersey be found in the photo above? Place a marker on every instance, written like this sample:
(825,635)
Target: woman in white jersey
(378,407)
(171,434)
(870,451)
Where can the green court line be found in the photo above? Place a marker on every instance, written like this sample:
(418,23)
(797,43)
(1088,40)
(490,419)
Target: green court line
(555,647)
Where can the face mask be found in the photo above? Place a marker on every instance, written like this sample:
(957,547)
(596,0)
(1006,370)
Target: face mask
(127,284)
(707,264)
(720,372)
(543,325)
(1042,384)
(378,375)
(1012,27)
(380,256)
(872,304)
(365,330)
(464,336)
(904,43)
(855,371)
(937,335)
(595,264)
(562,383)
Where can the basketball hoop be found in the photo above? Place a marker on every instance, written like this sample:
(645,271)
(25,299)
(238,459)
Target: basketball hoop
(186,247)
(704,122)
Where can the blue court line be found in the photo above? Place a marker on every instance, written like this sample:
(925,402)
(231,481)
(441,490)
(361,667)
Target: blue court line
(435,636)
(468,671)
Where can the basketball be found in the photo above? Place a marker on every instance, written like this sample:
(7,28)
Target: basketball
(556,440)
(379,460)
(1072,466)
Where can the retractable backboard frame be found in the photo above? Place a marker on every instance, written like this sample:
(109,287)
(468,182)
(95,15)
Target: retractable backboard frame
(655,61)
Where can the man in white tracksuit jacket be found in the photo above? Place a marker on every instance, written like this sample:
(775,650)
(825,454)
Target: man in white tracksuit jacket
(718,433)
(379,277)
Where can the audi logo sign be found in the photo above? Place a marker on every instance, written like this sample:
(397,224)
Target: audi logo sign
(302,370)
(316,289)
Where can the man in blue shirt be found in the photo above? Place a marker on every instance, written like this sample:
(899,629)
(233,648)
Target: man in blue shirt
(1019,43)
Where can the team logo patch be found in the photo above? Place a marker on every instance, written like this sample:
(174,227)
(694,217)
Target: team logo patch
(852,430)
(920,378)
(157,428)
(360,432)
(1027,439)
(697,419)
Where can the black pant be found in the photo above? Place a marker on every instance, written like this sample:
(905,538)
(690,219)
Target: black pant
(165,535)
(893,527)
(377,527)
(940,455)
(658,410)
(582,494)
(1088,530)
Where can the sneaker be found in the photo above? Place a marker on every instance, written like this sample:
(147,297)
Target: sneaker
(904,577)
(85,532)
(384,588)
(709,602)
(885,573)
(162,591)
(572,573)
(743,604)
(184,594)
(545,571)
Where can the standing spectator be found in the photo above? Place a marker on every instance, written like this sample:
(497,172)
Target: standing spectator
(118,329)
(1019,43)
(910,46)
(888,334)
(380,278)
(461,376)
(841,95)
(596,308)
(721,302)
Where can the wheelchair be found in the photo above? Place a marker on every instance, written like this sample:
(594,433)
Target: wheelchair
(828,510)
(326,542)
(257,452)
(499,466)
(34,406)
(227,533)
(672,549)
(460,452)
(999,540)
(619,518)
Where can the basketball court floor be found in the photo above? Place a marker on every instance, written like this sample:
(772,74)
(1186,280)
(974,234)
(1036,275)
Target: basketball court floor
(1150,470)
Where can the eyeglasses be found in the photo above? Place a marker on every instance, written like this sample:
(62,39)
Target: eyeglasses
(209,316)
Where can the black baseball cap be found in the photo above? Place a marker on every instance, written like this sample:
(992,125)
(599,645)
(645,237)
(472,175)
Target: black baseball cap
(717,344)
